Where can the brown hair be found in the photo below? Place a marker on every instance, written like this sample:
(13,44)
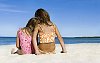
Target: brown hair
(31,24)
(43,16)
(28,29)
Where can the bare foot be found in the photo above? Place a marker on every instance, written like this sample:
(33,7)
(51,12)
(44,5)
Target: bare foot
(13,51)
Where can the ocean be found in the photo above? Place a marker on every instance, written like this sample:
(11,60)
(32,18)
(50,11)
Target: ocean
(67,40)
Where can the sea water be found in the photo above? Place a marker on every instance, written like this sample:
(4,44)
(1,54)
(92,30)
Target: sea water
(67,40)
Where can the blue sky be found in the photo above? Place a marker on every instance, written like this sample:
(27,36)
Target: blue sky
(72,17)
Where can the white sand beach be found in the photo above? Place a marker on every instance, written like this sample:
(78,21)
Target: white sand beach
(77,53)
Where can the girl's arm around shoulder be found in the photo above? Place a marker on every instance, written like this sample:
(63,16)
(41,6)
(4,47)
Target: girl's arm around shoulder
(34,39)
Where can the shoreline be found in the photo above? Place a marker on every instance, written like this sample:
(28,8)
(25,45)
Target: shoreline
(59,44)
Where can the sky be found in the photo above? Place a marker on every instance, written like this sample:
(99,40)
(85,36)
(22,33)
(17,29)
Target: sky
(74,18)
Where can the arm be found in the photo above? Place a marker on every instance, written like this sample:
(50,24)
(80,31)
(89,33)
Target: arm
(34,40)
(60,40)
(17,41)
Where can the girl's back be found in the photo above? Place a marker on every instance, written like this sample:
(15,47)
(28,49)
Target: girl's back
(47,38)
(25,41)
(46,33)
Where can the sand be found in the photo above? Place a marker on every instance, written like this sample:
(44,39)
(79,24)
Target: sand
(77,53)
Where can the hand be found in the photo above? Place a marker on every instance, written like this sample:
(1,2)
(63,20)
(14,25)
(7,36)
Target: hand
(37,53)
(63,51)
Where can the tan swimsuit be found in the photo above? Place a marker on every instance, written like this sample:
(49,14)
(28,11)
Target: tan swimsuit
(47,41)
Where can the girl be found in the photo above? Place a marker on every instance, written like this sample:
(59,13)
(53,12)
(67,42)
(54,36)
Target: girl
(24,38)
(47,32)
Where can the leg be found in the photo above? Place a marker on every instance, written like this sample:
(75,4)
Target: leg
(19,52)
(13,51)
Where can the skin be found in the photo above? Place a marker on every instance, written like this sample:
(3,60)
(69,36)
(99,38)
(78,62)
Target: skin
(37,29)
(18,46)
(17,41)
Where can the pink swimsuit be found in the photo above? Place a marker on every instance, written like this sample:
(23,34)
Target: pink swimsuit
(25,42)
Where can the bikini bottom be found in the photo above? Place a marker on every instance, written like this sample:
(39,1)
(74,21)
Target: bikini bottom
(47,47)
